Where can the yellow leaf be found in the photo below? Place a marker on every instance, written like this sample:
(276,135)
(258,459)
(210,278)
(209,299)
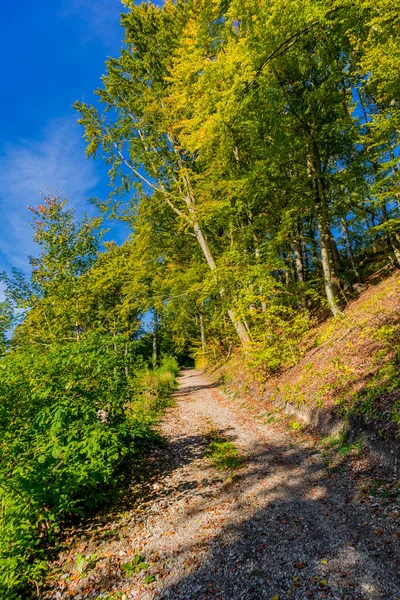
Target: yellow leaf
(324,561)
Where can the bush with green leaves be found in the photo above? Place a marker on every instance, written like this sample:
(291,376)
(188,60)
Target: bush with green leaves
(169,364)
(69,415)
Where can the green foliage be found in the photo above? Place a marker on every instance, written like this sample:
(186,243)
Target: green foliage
(6,318)
(69,416)
(135,567)
(345,449)
(169,364)
(295,425)
(84,564)
(277,342)
(337,447)
(222,452)
(257,144)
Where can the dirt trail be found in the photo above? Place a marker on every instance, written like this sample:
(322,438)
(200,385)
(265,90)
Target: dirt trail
(280,529)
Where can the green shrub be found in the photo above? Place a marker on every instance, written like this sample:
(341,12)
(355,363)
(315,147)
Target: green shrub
(169,364)
(68,417)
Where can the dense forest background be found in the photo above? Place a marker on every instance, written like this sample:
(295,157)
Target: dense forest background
(253,152)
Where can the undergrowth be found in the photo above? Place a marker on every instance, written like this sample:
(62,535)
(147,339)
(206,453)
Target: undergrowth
(69,418)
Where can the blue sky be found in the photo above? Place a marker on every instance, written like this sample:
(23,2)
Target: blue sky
(53,53)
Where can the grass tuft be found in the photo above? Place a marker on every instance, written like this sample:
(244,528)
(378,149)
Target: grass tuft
(222,452)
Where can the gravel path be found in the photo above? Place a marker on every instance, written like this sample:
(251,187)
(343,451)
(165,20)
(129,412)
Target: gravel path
(281,528)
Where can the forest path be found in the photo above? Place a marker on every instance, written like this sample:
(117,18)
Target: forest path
(279,528)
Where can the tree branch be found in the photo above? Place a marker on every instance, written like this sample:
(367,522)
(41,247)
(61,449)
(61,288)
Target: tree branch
(156,188)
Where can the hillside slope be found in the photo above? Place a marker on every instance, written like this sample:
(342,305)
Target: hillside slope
(348,377)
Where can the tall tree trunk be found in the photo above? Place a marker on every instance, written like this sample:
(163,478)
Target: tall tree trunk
(396,170)
(189,199)
(298,259)
(238,323)
(314,255)
(155,335)
(337,261)
(257,256)
(324,236)
(191,206)
(315,172)
(299,268)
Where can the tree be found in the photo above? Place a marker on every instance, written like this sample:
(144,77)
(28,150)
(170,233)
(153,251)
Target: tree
(140,143)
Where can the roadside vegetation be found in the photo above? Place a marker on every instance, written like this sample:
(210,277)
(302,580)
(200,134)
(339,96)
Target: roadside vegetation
(79,395)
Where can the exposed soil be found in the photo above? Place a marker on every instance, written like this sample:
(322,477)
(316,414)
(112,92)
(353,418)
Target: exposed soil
(282,526)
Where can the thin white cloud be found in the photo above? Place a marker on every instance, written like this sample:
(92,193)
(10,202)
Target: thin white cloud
(55,162)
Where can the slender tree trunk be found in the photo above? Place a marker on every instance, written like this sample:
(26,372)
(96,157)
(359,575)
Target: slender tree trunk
(257,256)
(298,260)
(155,335)
(306,262)
(237,322)
(285,274)
(239,326)
(190,202)
(321,204)
(299,267)
(202,334)
(348,246)
(313,247)
(391,238)
(191,205)
(396,170)
(323,230)
(337,261)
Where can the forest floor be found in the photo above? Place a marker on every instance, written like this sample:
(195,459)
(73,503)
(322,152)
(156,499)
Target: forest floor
(280,524)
